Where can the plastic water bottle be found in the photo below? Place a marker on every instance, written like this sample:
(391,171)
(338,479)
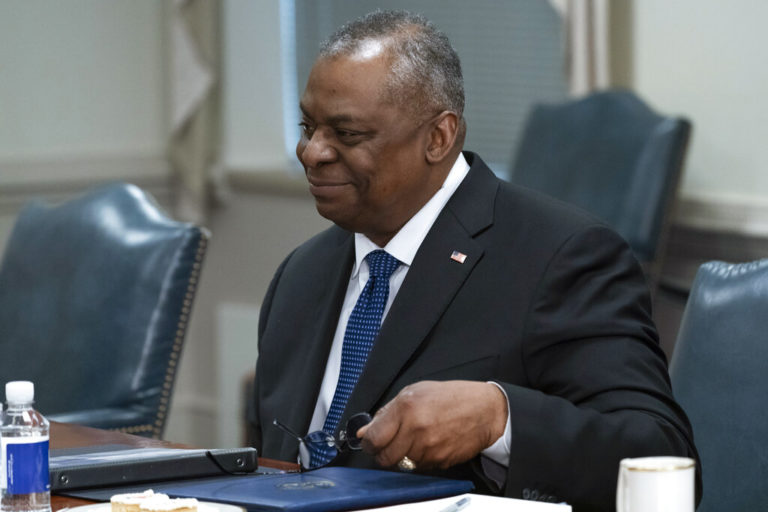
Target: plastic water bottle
(24,438)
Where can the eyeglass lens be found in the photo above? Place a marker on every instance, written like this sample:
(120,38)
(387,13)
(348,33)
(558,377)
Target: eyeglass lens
(354,424)
(320,441)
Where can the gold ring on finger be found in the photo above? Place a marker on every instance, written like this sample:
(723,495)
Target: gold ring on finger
(406,465)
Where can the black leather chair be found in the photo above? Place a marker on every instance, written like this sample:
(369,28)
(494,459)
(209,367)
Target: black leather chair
(95,298)
(720,376)
(611,155)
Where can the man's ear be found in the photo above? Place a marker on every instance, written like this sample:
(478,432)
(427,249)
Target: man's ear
(442,136)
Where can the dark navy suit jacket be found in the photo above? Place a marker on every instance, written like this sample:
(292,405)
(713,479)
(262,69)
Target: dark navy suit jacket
(549,302)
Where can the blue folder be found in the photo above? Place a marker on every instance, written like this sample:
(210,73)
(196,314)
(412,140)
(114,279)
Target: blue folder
(322,490)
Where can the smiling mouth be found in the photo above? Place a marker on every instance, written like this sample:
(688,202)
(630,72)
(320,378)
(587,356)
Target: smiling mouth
(325,189)
(320,182)
(325,184)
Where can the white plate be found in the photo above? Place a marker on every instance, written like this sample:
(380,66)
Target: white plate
(203,506)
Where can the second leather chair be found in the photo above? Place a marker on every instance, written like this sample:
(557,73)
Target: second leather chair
(95,299)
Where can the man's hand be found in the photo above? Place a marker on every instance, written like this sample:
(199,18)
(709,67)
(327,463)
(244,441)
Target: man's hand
(436,424)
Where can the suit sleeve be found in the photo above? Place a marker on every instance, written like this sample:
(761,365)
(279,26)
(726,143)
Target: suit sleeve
(598,387)
(254,421)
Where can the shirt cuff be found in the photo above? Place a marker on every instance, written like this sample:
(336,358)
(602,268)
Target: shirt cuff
(499,451)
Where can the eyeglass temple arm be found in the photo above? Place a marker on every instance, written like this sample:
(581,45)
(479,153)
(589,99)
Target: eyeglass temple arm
(288,431)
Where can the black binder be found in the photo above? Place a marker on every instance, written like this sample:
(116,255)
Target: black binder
(114,465)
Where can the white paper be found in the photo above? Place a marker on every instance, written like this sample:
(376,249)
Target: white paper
(479,503)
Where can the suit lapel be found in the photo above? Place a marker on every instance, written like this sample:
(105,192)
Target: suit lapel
(325,315)
(432,282)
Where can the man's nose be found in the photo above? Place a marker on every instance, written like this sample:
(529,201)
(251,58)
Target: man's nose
(317,150)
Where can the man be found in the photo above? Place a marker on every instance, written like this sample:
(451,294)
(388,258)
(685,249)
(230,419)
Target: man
(516,346)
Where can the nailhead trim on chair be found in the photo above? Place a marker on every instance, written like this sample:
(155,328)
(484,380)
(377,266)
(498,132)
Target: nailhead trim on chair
(170,371)
(136,429)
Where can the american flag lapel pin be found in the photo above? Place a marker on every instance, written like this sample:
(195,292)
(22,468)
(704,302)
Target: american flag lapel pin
(458,256)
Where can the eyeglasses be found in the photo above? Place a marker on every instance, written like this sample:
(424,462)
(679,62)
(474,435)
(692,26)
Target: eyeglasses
(324,445)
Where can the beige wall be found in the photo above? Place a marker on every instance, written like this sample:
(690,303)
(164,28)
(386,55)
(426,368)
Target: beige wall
(80,78)
(81,99)
(705,60)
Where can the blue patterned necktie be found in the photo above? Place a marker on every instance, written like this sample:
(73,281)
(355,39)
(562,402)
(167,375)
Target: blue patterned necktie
(362,328)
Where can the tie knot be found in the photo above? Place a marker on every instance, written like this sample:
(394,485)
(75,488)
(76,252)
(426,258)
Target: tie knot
(381,263)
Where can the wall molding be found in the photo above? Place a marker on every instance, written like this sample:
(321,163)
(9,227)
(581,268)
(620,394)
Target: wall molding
(285,182)
(58,179)
(723,213)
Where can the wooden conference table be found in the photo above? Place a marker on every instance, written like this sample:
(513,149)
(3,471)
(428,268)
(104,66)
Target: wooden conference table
(66,435)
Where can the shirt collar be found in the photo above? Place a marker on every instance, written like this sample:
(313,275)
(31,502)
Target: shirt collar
(407,241)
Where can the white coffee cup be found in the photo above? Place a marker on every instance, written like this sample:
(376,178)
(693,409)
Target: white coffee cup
(656,484)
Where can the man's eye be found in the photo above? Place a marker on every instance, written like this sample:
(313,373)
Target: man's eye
(306,129)
(348,136)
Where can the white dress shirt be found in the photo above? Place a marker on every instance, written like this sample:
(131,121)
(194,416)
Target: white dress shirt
(402,246)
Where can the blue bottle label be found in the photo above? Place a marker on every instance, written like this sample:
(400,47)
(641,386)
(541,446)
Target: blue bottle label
(27,467)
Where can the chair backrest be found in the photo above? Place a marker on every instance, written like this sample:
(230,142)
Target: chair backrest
(719,373)
(95,298)
(611,155)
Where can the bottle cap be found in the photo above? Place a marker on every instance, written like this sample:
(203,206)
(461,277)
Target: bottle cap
(19,392)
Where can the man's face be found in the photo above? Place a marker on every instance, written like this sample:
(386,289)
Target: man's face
(364,157)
